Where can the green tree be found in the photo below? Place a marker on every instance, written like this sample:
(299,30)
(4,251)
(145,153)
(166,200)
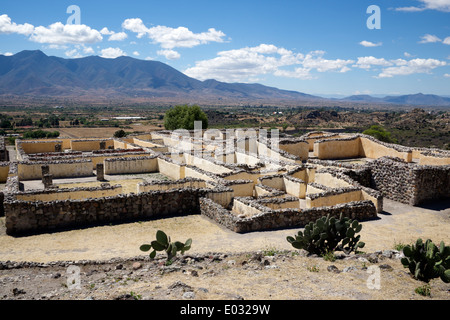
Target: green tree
(183,117)
(5,124)
(120,134)
(380,133)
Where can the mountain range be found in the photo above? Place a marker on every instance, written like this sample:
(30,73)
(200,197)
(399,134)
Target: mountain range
(33,74)
(418,99)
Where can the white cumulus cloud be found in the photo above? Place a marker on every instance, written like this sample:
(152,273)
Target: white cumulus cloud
(439,5)
(414,66)
(368,62)
(169,54)
(429,38)
(120,36)
(315,60)
(170,38)
(112,53)
(369,44)
(242,65)
(59,33)
(9,27)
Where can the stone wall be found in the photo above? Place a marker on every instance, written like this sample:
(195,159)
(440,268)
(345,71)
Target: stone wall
(23,218)
(410,183)
(284,218)
(49,195)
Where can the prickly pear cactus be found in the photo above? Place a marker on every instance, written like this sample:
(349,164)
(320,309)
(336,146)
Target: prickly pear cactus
(426,261)
(329,234)
(163,243)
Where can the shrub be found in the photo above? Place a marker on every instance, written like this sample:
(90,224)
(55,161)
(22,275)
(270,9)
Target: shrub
(328,235)
(163,243)
(423,290)
(380,133)
(426,261)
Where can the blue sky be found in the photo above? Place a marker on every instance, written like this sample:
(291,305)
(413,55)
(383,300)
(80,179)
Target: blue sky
(317,47)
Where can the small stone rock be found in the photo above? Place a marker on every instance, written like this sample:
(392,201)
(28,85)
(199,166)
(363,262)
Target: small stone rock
(373,258)
(179,284)
(333,268)
(194,273)
(387,253)
(265,262)
(386,267)
(340,255)
(17,291)
(349,269)
(189,295)
(119,267)
(257,257)
(137,265)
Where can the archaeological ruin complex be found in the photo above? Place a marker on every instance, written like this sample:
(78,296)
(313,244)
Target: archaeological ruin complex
(242,179)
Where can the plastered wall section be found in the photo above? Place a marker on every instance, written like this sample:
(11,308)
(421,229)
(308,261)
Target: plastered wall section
(131,165)
(328,200)
(240,208)
(90,145)
(337,149)
(373,150)
(4,171)
(295,188)
(299,149)
(62,195)
(69,169)
(39,146)
(171,169)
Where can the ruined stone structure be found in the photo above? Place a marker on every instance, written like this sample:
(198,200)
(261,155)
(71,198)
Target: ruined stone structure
(245,180)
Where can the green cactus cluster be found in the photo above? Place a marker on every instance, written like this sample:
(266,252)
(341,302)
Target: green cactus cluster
(427,261)
(329,234)
(164,243)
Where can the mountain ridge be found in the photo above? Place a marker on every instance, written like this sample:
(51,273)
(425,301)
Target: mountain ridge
(34,73)
(31,73)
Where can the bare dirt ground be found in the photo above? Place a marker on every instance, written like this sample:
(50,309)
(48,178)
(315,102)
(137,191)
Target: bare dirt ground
(220,265)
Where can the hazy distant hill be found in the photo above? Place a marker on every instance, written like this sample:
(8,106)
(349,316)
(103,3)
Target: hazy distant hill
(34,73)
(411,99)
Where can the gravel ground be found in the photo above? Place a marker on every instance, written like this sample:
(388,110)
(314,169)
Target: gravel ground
(221,265)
